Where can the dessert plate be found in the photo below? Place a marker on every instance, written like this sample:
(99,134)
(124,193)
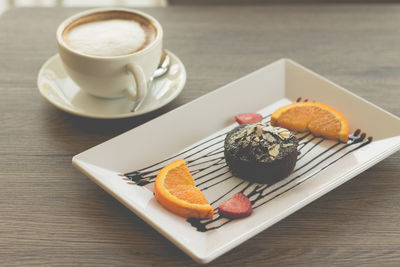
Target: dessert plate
(129,174)
(57,88)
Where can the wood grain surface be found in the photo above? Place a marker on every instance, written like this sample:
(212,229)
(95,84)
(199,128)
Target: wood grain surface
(52,215)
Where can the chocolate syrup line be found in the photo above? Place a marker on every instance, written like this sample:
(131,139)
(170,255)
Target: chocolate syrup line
(216,227)
(138,179)
(304,136)
(202,226)
(325,151)
(314,146)
(206,174)
(324,159)
(247,186)
(303,144)
(212,178)
(208,187)
(355,134)
(258,192)
(216,149)
(144,180)
(260,189)
(185,151)
(189,149)
(205,148)
(351,138)
(140,174)
(321,169)
(221,150)
(218,162)
(208,154)
(230,190)
(281,193)
(139,171)
(207,161)
(141,181)
(181,153)
(149,179)
(354,139)
(340,149)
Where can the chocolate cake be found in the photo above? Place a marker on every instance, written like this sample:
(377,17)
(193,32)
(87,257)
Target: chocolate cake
(260,152)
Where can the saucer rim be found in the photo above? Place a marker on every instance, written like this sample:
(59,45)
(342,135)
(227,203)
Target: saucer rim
(116,116)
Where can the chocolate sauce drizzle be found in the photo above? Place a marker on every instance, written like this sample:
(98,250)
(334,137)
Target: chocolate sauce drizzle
(207,165)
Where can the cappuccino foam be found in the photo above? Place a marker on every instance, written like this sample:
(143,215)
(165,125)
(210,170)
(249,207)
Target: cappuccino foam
(111,37)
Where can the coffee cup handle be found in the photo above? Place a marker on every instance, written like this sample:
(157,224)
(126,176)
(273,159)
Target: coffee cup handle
(141,84)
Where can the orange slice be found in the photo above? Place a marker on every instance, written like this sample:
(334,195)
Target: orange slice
(175,190)
(320,119)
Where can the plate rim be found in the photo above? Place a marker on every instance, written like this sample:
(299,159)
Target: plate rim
(203,259)
(208,257)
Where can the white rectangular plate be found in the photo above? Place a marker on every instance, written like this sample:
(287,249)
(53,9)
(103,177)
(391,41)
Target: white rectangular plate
(196,132)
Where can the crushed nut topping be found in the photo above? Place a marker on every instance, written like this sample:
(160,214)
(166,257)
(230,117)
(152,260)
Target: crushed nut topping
(284,134)
(261,142)
(274,150)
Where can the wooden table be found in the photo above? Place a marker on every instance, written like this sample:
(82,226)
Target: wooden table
(51,214)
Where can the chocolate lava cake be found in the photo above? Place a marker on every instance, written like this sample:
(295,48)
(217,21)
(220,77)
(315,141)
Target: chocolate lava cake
(260,152)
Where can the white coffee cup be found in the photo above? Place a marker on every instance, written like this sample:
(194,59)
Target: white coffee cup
(111,76)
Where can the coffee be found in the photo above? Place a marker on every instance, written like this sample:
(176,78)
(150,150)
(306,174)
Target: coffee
(110,33)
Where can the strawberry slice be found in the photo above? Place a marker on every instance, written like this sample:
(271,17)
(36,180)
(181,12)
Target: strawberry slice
(248,118)
(238,206)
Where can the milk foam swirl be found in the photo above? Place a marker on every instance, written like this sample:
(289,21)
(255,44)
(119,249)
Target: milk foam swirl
(113,37)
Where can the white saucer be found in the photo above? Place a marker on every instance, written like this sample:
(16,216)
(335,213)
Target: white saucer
(56,87)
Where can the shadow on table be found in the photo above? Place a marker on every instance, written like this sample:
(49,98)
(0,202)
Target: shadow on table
(110,127)
(69,134)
